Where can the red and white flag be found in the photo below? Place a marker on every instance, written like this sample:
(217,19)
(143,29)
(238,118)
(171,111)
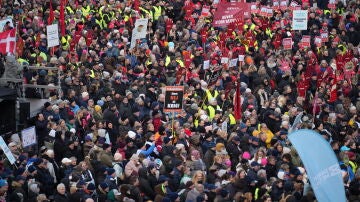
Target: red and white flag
(8,41)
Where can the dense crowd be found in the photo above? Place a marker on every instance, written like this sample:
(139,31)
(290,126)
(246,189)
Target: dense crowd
(105,135)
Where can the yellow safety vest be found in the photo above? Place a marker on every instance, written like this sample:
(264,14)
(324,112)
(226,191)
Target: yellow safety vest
(85,11)
(210,96)
(232,119)
(353,166)
(157,12)
(69,10)
(212,111)
(167,60)
(23,61)
(149,13)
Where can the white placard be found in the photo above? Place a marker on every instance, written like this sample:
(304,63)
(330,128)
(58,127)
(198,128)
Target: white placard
(28,137)
(224,126)
(140,30)
(233,62)
(224,60)
(241,58)
(7,151)
(3,23)
(206,64)
(52,34)
(300,20)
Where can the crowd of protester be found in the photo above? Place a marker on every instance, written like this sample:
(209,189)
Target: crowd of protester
(105,135)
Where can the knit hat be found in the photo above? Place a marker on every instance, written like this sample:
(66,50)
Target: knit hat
(219,146)
(80,184)
(166,140)
(110,171)
(103,185)
(106,145)
(91,186)
(117,157)
(97,108)
(31,169)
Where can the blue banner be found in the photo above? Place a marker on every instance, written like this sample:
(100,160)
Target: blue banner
(321,165)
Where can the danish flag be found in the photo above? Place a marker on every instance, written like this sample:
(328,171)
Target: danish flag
(8,41)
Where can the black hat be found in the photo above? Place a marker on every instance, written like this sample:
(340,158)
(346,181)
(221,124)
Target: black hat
(105,146)
(177,162)
(47,104)
(111,105)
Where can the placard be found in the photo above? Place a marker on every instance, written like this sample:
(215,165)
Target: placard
(229,12)
(241,58)
(233,62)
(28,137)
(287,43)
(7,151)
(283,5)
(174,98)
(205,12)
(318,41)
(300,20)
(52,35)
(324,36)
(206,64)
(139,31)
(305,41)
(215,76)
(224,60)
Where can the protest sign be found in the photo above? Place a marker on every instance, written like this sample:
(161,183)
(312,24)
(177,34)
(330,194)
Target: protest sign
(300,20)
(305,42)
(7,151)
(216,73)
(174,96)
(324,36)
(28,137)
(139,32)
(287,43)
(52,34)
(229,12)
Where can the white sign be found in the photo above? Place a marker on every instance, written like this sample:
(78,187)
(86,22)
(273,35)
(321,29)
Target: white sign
(300,20)
(3,23)
(28,137)
(241,58)
(7,151)
(139,32)
(206,64)
(52,33)
(224,60)
(233,62)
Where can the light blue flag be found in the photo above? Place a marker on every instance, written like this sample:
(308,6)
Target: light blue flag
(321,165)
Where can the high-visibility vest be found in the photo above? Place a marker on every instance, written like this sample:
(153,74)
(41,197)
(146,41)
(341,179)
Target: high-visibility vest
(210,96)
(353,166)
(85,11)
(150,13)
(212,111)
(157,12)
(167,60)
(232,119)
(100,23)
(181,63)
(69,10)
(22,61)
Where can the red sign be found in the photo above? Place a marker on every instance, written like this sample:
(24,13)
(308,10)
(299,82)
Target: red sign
(324,36)
(305,41)
(205,12)
(229,12)
(287,43)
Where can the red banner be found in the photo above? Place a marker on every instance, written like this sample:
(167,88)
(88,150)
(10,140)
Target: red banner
(229,12)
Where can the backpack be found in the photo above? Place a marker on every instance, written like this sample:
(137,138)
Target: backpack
(284,198)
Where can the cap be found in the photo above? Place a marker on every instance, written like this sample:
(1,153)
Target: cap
(166,140)
(80,184)
(254,163)
(236,138)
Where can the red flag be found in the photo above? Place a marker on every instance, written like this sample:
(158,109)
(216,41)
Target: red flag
(8,41)
(237,102)
(136,5)
(51,14)
(62,17)
(20,46)
(333,91)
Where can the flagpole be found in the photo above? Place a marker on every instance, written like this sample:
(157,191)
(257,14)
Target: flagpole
(16,32)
